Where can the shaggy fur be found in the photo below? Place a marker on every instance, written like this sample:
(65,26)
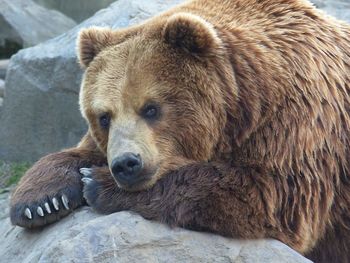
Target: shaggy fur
(253,137)
(51,177)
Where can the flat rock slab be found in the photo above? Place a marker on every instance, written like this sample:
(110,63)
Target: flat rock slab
(125,237)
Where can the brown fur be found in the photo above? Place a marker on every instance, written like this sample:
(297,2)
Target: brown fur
(52,176)
(253,140)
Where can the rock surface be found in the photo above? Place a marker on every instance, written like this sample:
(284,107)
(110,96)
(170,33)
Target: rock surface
(124,237)
(337,8)
(79,10)
(24,23)
(40,113)
(3,67)
(4,204)
(2,88)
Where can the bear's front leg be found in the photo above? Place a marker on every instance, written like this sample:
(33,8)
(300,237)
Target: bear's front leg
(52,188)
(199,197)
(244,202)
(241,202)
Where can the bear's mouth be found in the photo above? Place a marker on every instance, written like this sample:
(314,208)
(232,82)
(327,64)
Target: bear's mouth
(141,182)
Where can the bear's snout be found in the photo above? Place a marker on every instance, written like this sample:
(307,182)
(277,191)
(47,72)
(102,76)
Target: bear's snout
(127,168)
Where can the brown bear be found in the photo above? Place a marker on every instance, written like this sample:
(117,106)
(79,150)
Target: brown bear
(227,116)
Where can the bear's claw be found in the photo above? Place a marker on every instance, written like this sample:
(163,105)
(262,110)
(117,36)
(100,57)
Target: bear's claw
(65,201)
(87,172)
(86,180)
(47,207)
(50,190)
(90,185)
(28,213)
(40,211)
(55,203)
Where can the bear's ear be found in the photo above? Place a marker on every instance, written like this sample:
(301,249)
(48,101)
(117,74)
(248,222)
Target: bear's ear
(91,41)
(192,34)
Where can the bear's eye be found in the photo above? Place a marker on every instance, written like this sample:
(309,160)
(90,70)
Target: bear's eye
(150,111)
(105,120)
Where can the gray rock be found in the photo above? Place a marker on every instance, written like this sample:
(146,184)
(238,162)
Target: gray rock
(79,10)
(2,88)
(41,113)
(3,67)
(26,23)
(4,202)
(125,237)
(337,8)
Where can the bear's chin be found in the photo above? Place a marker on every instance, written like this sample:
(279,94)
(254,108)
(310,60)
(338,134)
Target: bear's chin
(145,181)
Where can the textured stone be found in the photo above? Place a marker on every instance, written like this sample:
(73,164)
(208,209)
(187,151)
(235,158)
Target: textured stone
(4,203)
(40,113)
(2,88)
(79,10)
(27,24)
(3,67)
(125,237)
(337,8)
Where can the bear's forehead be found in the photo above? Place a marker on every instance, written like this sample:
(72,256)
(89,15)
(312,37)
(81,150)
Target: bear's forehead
(137,66)
(139,70)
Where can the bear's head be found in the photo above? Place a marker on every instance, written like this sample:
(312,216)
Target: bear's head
(155,96)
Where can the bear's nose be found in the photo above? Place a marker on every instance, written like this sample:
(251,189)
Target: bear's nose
(127,167)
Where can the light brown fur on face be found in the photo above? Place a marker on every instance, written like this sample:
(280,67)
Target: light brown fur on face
(139,71)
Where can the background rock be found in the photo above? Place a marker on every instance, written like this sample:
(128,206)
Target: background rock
(337,8)
(40,113)
(24,23)
(3,67)
(79,10)
(125,237)
(2,88)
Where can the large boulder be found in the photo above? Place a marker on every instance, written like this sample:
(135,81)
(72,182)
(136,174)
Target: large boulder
(124,237)
(25,23)
(79,10)
(40,112)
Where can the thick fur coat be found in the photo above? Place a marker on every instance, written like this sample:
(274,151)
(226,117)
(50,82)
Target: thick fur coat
(253,136)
